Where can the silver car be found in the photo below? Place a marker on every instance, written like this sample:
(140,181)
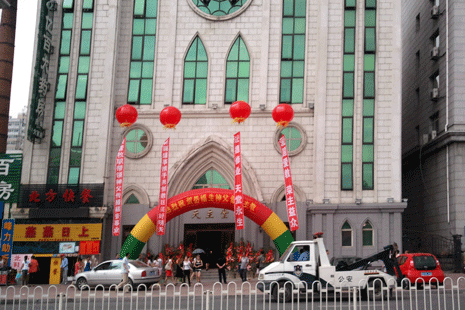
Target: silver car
(109,273)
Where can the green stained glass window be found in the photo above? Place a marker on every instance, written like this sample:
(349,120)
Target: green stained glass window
(132,200)
(68,4)
(346,233)
(369,62)
(367,234)
(368,177)
(293,51)
(81,87)
(348,107)
(60,110)
(370,3)
(347,153)
(346,177)
(86,37)
(78,130)
(64,64)
(136,141)
(349,62)
(146,91)
(370,39)
(368,130)
(368,107)
(88,4)
(237,73)
(293,138)
(61,86)
(84,63)
(196,65)
(57,133)
(348,85)
(211,179)
(75,157)
(367,153)
(55,157)
(349,18)
(219,7)
(349,40)
(65,42)
(347,130)
(370,18)
(369,88)
(68,20)
(350,3)
(53,175)
(80,110)
(87,19)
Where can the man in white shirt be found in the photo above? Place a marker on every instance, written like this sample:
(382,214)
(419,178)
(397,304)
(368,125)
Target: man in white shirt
(64,268)
(25,271)
(124,274)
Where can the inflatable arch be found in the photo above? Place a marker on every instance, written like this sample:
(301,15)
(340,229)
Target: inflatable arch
(208,198)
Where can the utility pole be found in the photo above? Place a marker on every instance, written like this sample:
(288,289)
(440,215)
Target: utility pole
(7,49)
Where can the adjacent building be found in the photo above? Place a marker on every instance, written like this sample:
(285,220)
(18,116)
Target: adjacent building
(337,63)
(432,124)
(16,133)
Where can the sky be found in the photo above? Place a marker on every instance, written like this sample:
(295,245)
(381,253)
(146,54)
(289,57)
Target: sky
(24,50)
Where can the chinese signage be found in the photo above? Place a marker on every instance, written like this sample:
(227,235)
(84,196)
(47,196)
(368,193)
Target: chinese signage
(238,208)
(57,232)
(289,189)
(89,247)
(161,216)
(41,86)
(8,228)
(10,177)
(119,176)
(17,260)
(60,196)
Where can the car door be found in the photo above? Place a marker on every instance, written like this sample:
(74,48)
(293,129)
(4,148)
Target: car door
(302,263)
(114,273)
(99,275)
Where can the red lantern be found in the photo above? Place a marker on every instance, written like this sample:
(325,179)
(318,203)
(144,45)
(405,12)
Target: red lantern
(170,117)
(283,114)
(239,111)
(126,115)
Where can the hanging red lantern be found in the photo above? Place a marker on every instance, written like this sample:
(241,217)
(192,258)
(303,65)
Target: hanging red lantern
(170,117)
(283,114)
(126,115)
(239,111)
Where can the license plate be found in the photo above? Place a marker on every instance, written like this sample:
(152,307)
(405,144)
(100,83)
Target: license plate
(426,274)
(152,273)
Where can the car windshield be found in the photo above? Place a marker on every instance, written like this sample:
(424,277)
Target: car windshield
(138,264)
(424,262)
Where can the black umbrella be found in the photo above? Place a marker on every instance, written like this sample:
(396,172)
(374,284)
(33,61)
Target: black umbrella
(198,251)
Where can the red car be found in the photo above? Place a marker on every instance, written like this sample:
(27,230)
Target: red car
(421,266)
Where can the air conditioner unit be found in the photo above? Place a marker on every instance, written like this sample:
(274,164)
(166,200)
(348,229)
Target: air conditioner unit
(435,53)
(435,94)
(435,12)
(425,138)
(434,134)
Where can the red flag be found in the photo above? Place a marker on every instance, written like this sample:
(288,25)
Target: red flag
(161,217)
(238,206)
(119,175)
(289,189)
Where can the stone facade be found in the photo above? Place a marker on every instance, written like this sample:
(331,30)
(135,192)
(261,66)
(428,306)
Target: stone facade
(204,137)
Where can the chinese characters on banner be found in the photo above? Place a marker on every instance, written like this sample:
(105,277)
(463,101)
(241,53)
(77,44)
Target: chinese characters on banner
(161,217)
(7,239)
(289,190)
(10,176)
(238,208)
(119,175)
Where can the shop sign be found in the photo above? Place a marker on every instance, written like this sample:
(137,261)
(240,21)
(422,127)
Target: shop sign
(57,232)
(10,177)
(8,228)
(89,247)
(41,86)
(48,196)
(17,260)
(67,248)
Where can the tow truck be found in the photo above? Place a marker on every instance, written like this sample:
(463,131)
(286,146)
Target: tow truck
(305,266)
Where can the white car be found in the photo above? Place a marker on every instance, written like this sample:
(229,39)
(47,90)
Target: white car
(109,273)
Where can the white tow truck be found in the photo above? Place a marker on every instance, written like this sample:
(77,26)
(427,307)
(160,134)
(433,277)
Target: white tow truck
(305,266)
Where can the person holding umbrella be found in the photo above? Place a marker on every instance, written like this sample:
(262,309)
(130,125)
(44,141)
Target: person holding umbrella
(198,264)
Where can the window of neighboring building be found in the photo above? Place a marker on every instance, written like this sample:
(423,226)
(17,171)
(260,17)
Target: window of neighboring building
(296,138)
(195,74)
(435,39)
(434,122)
(211,179)
(138,141)
(435,80)
(237,73)
(346,232)
(367,234)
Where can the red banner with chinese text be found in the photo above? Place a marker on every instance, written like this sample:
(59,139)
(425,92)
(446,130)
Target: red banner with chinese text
(161,217)
(119,175)
(289,189)
(238,199)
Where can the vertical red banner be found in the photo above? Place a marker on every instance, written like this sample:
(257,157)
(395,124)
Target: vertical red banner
(119,175)
(289,189)
(238,206)
(161,217)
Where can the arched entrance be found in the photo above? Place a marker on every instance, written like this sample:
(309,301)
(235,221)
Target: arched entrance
(208,198)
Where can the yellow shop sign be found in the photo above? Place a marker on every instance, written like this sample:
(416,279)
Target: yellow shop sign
(57,232)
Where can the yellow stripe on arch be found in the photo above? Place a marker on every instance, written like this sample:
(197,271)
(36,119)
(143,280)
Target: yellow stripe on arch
(144,229)
(273,226)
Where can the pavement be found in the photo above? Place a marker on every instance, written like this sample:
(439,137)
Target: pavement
(235,285)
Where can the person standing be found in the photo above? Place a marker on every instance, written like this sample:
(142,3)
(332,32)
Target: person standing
(33,269)
(169,270)
(78,266)
(198,264)
(261,261)
(124,274)
(243,271)
(64,269)
(221,264)
(186,270)
(25,271)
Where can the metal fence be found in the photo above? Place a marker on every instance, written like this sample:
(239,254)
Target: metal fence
(449,296)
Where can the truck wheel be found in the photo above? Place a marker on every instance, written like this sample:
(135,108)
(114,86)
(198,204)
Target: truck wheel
(287,292)
(379,293)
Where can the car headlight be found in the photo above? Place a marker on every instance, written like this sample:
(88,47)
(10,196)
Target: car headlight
(261,276)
